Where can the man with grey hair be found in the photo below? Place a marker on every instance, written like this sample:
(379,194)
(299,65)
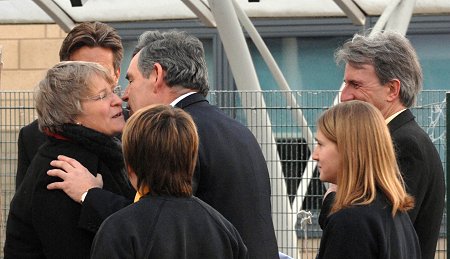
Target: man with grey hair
(231,173)
(383,69)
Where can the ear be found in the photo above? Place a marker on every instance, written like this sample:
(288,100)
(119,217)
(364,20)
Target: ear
(394,89)
(117,74)
(159,76)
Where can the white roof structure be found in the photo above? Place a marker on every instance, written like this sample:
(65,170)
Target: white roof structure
(28,11)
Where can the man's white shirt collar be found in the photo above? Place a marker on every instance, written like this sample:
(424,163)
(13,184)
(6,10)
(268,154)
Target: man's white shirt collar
(181,97)
(393,116)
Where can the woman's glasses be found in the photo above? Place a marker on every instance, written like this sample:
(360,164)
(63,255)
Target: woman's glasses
(106,95)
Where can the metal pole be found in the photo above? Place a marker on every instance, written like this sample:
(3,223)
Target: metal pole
(276,72)
(447,143)
(245,77)
(306,133)
(56,13)
(385,16)
(400,21)
(1,65)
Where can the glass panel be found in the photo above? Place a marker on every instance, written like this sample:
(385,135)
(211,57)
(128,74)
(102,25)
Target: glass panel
(306,63)
(434,58)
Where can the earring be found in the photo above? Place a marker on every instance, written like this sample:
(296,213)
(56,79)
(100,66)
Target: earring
(78,123)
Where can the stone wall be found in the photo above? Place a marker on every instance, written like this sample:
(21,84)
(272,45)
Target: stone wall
(28,50)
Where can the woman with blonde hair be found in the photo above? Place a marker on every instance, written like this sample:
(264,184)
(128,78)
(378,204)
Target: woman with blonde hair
(368,218)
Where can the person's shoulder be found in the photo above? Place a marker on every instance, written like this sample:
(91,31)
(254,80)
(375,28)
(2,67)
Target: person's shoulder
(357,216)
(412,141)
(51,149)
(32,127)
(205,206)
(136,214)
(125,218)
(214,214)
(405,127)
(146,208)
(210,118)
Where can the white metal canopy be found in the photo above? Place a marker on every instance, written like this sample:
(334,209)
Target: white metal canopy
(27,11)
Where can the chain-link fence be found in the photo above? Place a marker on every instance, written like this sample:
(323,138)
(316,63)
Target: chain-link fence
(284,124)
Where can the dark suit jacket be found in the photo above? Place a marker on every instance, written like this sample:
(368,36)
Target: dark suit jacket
(232,176)
(423,174)
(28,143)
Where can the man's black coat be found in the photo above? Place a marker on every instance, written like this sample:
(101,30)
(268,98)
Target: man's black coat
(422,171)
(232,176)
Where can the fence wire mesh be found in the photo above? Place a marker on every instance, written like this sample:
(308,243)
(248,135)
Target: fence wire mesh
(284,124)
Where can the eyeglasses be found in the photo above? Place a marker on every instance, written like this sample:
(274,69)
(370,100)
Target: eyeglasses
(106,95)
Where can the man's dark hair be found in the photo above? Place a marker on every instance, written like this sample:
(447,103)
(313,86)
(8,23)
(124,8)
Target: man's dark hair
(92,34)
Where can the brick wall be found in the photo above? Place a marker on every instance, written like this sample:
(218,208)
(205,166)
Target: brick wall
(28,50)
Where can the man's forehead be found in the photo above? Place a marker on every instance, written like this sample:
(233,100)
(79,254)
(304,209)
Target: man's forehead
(133,66)
(100,55)
(360,66)
(363,70)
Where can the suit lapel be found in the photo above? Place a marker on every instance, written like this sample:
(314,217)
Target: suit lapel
(401,119)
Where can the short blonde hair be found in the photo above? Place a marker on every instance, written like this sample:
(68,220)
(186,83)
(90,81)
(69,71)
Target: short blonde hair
(367,156)
(59,94)
(160,144)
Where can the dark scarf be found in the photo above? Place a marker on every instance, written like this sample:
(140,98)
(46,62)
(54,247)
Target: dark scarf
(108,149)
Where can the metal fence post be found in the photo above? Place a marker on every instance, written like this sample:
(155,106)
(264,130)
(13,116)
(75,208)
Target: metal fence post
(447,143)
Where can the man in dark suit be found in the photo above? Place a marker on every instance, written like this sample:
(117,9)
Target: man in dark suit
(231,173)
(95,42)
(383,69)
(28,143)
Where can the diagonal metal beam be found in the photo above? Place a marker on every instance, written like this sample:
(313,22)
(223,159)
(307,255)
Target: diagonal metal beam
(202,10)
(56,13)
(403,13)
(290,100)
(385,16)
(352,11)
(246,79)
(275,70)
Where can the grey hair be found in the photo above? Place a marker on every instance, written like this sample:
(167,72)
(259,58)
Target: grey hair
(392,56)
(59,94)
(181,55)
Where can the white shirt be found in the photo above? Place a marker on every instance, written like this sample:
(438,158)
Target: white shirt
(393,116)
(181,97)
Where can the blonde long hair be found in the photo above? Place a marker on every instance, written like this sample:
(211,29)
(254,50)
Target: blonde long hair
(367,156)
